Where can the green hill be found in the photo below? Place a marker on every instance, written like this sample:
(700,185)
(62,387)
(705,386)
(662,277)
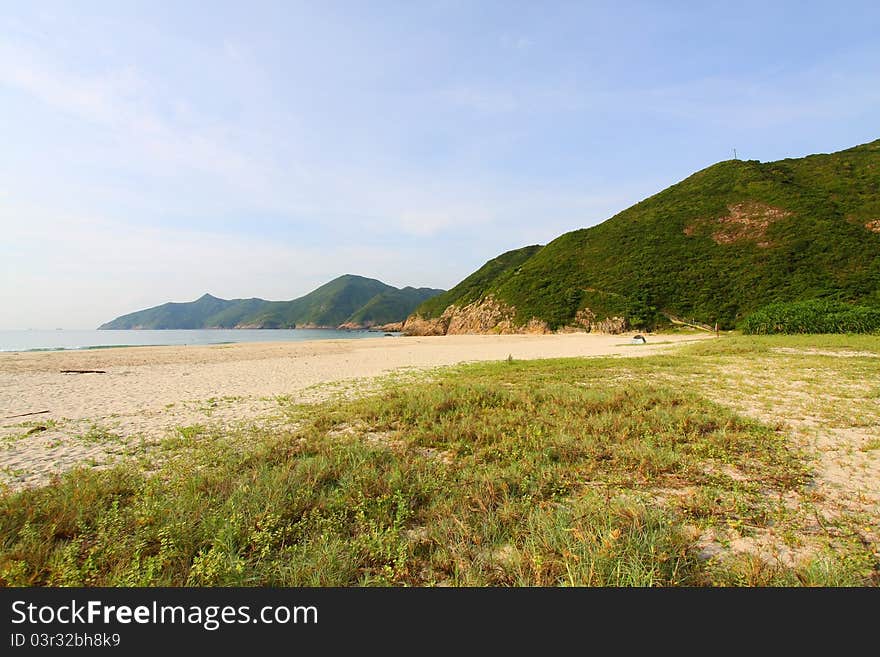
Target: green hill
(391,306)
(235,313)
(488,277)
(327,306)
(728,240)
(341,301)
(201,313)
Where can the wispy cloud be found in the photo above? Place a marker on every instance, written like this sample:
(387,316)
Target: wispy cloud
(122,101)
(108,99)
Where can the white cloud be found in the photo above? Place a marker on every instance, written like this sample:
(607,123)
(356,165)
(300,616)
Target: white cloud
(105,99)
(123,102)
(517,42)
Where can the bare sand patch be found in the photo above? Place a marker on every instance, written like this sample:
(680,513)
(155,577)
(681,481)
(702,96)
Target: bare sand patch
(834,420)
(836,353)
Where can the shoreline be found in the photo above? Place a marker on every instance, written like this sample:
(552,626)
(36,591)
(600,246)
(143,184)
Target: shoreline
(594,344)
(307,334)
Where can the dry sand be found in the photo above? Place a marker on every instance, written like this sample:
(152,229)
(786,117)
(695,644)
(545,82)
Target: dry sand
(147,392)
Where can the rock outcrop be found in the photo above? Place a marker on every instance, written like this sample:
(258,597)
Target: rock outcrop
(744,221)
(393,327)
(488,315)
(585,320)
(369,326)
(416,325)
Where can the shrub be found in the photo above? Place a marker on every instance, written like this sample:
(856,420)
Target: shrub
(814,316)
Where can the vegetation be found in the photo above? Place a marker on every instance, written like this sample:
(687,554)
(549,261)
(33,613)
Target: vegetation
(566,472)
(347,299)
(391,306)
(480,282)
(815,316)
(714,247)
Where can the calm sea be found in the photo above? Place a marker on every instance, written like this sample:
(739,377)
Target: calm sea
(34,340)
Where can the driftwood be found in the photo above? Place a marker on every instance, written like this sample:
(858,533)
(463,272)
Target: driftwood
(83,371)
(9,417)
(692,323)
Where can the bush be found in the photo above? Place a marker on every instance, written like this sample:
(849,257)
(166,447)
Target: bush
(814,316)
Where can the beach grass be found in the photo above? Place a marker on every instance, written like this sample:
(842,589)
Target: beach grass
(692,468)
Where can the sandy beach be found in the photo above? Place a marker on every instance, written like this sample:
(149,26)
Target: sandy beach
(146,393)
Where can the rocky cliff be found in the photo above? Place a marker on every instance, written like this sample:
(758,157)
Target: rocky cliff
(490,316)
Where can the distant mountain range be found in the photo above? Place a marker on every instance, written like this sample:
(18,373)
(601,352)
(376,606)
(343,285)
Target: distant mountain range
(715,247)
(346,302)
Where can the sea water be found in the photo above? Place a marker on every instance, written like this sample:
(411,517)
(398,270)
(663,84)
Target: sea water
(41,340)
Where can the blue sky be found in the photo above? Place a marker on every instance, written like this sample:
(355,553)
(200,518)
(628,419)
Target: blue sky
(154,151)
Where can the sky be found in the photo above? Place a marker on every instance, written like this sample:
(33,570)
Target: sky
(154,151)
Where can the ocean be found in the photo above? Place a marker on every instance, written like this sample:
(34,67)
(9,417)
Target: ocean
(60,339)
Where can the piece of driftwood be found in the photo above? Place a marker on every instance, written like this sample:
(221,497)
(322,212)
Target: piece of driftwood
(9,417)
(83,371)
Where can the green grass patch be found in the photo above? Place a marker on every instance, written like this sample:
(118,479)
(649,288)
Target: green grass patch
(98,434)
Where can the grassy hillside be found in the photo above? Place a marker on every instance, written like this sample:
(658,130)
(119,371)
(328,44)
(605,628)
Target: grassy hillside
(330,305)
(201,313)
(475,286)
(391,306)
(716,246)
(237,312)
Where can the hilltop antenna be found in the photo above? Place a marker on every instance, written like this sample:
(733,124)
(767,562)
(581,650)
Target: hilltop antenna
(734,154)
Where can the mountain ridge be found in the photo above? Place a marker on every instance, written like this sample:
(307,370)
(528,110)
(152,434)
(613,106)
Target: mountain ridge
(338,302)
